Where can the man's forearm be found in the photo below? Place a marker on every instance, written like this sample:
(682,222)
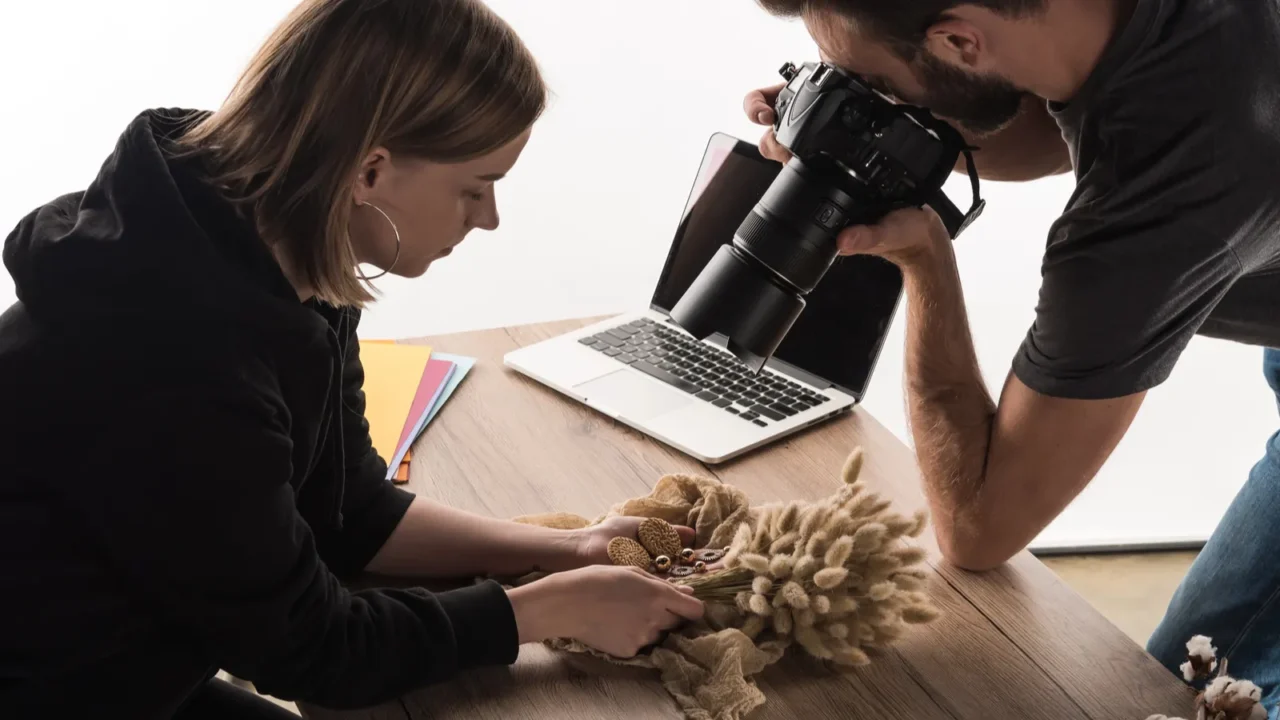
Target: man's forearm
(949,407)
(434,540)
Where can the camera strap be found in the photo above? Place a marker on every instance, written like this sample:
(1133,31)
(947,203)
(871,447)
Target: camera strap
(955,220)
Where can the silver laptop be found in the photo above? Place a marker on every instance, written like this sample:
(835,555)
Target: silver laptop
(644,371)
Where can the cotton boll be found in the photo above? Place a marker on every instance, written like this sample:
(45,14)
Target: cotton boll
(882,591)
(805,568)
(762,585)
(805,617)
(812,642)
(795,595)
(843,605)
(785,543)
(839,552)
(1214,691)
(755,563)
(1201,659)
(869,537)
(821,604)
(780,566)
(852,656)
(908,582)
(830,578)
(782,621)
(911,555)
(852,467)
(919,614)
(760,606)
(817,543)
(921,522)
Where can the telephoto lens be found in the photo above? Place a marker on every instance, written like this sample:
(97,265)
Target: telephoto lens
(855,157)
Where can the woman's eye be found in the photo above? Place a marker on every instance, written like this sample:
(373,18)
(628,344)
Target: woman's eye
(477,196)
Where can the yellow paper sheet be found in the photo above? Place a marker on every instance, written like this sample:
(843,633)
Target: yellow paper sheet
(391,377)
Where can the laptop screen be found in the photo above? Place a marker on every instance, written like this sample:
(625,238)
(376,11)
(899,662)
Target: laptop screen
(838,336)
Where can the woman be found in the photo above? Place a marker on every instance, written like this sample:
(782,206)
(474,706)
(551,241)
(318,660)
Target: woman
(184,349)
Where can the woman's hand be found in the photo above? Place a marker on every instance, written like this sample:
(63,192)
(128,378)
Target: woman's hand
(617,610)
(593,541)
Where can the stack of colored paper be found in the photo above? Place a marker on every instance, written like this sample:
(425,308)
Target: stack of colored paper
(405,386)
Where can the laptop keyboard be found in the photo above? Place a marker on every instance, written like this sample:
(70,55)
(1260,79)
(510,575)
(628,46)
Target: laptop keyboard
(705,371)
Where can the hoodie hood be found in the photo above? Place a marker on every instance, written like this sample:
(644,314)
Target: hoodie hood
(148,236)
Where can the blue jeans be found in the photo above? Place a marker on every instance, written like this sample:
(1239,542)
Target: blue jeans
(1232,591)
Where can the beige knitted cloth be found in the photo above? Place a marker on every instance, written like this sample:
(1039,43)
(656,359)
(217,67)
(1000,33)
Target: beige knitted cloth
(706,667)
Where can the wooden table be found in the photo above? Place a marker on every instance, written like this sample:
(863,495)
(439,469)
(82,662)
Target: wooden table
(1014,643)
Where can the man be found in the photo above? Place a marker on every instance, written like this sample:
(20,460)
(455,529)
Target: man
(1169,113)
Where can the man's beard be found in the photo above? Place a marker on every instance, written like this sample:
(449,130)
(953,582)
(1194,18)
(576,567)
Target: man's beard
(981,104)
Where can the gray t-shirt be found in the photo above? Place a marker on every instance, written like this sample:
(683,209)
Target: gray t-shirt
(1174,225)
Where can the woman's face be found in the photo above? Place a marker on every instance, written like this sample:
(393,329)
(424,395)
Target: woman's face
(433,206)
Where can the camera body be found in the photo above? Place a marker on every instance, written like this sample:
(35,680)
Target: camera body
(856,157)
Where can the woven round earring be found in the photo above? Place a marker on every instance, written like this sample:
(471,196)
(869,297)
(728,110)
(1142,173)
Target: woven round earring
(395,230)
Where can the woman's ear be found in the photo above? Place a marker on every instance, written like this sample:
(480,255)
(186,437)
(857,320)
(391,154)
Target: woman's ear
(371,175)
(960,43)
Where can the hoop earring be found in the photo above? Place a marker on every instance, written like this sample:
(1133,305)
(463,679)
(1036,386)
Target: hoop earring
(395,230)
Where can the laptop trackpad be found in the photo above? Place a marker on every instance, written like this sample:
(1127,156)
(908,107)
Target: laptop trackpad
(633,395)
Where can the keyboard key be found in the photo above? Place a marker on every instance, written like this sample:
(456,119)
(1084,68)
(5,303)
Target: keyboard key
(625,358)
(708,396)
(773,395)
(751,395)
(637,323)
(750,415)
(629,348)
(706,385)
(588,340)
(679,372)
(732,410)
(734,397)
(823,399)
(761,423)
(666,377)
(608,339)
(768,412)
(685,364)
(621,333)
(786,410)
(660,353)
(613,352)
(721,403)
(643,355)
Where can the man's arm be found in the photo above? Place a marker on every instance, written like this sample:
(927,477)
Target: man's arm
(994,475)
(1029,148)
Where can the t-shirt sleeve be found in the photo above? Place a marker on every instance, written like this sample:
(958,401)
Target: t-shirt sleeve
(1132,268)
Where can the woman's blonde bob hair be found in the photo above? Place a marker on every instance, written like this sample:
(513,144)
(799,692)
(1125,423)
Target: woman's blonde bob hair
(441,80)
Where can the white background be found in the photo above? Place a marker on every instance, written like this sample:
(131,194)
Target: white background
(638,88)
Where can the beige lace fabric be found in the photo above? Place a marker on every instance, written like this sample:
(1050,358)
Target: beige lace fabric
(707,670)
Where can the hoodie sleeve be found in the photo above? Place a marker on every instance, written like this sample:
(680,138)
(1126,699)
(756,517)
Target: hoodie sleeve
(195,508)
(372,506)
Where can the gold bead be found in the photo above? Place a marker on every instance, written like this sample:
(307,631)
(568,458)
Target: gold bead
(686,554)
(699,566)
(662,562)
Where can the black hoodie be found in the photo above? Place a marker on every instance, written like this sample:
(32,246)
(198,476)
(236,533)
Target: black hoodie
(185,468)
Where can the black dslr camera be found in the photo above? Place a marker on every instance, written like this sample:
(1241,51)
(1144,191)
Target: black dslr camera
(856,157)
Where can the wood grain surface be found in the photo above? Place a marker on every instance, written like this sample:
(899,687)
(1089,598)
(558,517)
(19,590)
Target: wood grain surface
(1014,643)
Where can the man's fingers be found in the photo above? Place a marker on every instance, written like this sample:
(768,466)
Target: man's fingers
(855,240)
(772,149)
(759,104)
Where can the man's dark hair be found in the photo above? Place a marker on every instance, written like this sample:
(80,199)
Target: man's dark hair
(901,22)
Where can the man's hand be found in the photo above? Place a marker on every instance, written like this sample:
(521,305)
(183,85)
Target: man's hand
(759,108)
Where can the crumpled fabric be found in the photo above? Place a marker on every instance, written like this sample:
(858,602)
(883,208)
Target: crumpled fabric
(707,667)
